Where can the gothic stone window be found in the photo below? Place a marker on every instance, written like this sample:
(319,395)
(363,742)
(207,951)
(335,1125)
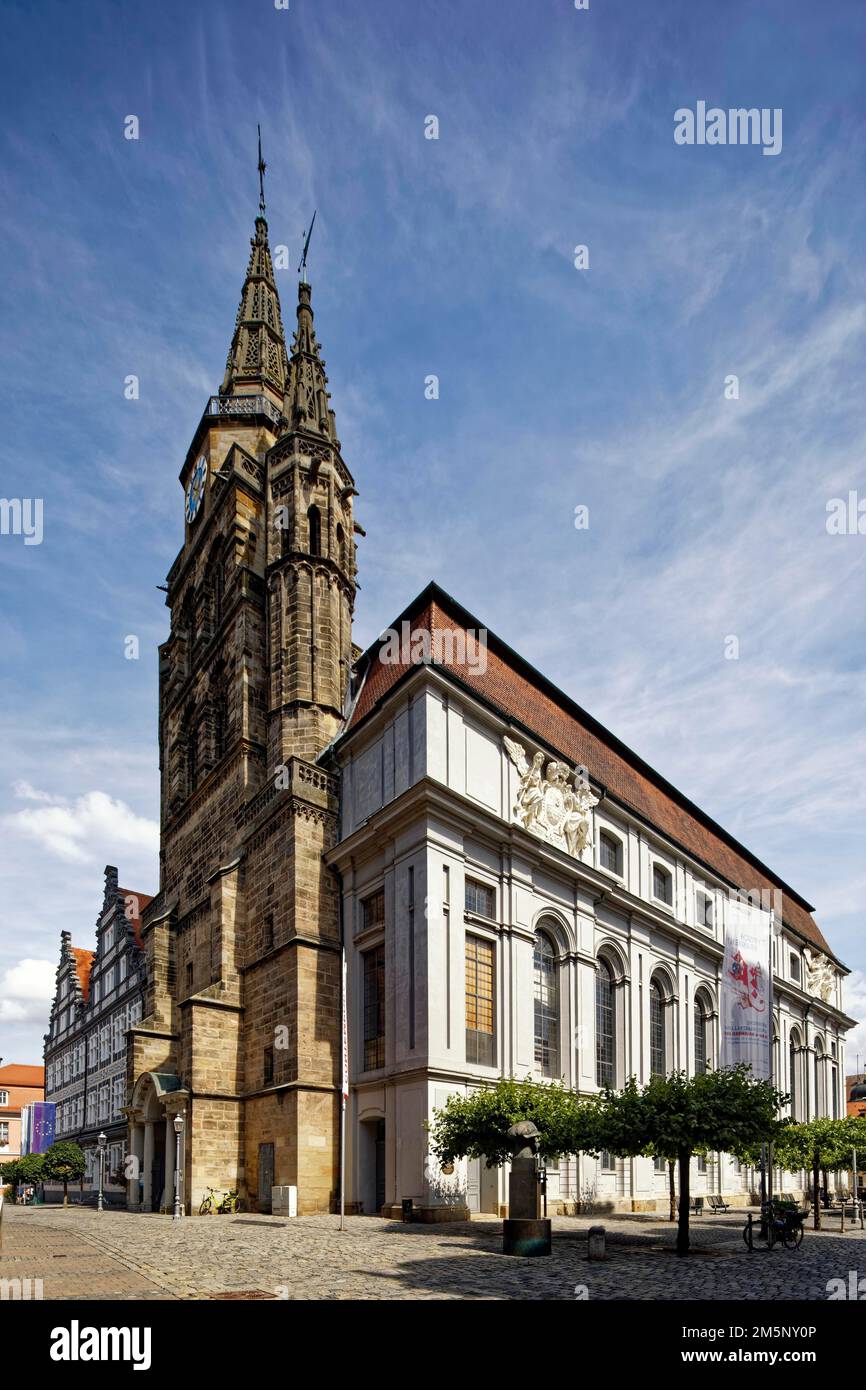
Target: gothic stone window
(546,1005)
(480,1030)
(314,520)
(374,1008)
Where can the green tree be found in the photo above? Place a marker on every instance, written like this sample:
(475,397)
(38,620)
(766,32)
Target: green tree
(677,1116)
(63,1162)
(819,1144)
(27,1169)
(476,1125)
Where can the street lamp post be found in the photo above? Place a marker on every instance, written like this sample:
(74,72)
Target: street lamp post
(101,1141)
(178,1131)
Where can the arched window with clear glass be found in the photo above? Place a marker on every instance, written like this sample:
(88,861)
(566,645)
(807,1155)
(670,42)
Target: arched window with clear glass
(546,994)
(701,1020)
(605,1025)
(658,1059)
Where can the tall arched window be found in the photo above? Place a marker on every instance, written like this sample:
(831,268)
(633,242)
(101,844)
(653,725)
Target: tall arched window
(701,1020)
(191,753)
(341,546)
(605,1025)
(314,520)
(820,1097)
(221,720)
(546,991)
(658,1058)
(793,1088)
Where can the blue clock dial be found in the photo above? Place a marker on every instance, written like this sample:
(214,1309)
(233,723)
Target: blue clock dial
(195,489)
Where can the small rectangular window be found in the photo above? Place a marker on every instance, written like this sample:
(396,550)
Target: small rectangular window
(268,1067)
(795,967)
(704,910)
(662,885)
(606,1162)
(374,910)
(480,899)
(610,853)
(268,935)
(189,976)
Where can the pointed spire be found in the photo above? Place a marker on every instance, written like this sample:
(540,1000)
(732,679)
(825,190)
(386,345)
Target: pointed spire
(257,357)
(306,402)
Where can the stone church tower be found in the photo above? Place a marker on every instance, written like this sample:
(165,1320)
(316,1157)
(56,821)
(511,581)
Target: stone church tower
(242,1023)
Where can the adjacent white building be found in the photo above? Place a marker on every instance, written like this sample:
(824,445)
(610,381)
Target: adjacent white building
(505,915)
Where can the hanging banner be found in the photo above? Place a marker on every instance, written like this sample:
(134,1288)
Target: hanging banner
(746,1003)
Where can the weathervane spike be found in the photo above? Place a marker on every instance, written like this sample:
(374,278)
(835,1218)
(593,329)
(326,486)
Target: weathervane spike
(262,167)
(302,264)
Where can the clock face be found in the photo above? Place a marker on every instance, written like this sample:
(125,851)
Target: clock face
(195,489)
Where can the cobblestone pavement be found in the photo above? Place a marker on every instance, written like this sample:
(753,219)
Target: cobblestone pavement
(79,1253)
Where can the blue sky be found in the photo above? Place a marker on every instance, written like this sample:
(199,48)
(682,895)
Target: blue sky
(559,387)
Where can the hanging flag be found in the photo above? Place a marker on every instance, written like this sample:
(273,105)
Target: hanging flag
(747,978)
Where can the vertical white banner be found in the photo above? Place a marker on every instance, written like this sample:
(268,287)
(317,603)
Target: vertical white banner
(746,1003)
(345,1029)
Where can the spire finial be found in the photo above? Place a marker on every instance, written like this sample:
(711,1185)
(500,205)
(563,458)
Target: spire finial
(302,264)
(262,167)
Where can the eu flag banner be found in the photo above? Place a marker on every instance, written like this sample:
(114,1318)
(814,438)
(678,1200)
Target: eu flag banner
(747,979)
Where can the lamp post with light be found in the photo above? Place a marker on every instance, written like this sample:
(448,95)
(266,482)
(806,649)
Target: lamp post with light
(101,1141)
(178,1131)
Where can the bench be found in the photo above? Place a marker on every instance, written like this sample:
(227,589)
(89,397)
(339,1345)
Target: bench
(718,1204)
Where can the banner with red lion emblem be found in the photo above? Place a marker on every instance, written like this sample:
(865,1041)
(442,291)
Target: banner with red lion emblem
(746,1003)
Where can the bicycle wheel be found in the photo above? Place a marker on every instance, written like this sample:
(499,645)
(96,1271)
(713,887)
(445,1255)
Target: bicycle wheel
(793,1237)
(205,1208)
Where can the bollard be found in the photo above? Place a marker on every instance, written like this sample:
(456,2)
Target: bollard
(595,1245)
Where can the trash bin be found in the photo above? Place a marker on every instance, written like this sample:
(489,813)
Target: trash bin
(408,1206)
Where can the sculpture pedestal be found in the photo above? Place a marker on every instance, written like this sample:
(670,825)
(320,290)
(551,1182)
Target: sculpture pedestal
(521,1236)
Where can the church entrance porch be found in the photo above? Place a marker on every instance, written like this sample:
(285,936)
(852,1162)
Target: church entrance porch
(156,1099)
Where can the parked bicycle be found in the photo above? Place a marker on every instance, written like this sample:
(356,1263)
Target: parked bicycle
(229,1202)
(779,1222)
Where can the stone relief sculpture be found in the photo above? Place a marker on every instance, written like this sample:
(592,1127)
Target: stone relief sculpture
(820,976)
(549,804)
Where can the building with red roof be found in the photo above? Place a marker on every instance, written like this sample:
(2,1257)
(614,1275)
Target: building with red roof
(98,998)
(20,1085)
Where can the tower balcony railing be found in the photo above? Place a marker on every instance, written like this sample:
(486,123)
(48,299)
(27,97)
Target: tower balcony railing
(243,405)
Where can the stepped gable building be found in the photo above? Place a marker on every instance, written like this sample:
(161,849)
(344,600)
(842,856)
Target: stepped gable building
(99,996)
(516,891)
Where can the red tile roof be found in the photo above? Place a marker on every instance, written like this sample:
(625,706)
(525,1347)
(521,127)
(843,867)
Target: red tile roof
(16,1074)
(84,965)
(516,691)
(141,901)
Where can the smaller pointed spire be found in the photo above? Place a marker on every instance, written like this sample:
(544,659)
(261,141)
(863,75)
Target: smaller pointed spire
(306,401)
(257,357)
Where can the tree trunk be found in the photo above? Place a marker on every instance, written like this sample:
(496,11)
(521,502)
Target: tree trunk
(816,1193)
(672,1188)
(66,1192)
(683,1224)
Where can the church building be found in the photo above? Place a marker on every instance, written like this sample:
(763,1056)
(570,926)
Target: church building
(516,892)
